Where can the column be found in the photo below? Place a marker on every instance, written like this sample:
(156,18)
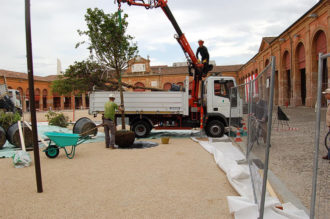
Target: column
(62,102)
(83,96)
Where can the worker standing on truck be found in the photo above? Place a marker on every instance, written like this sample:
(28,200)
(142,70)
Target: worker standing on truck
(109,121)
(204,54)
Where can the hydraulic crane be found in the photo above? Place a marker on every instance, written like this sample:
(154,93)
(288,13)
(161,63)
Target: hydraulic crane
(195,68)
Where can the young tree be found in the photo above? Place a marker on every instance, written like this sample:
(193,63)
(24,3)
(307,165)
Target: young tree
(109,43)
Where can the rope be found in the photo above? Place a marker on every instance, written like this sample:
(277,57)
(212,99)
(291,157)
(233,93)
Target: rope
(82,134)
(121,28)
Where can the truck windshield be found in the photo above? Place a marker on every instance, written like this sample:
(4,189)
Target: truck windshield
(222,87)
(18,96)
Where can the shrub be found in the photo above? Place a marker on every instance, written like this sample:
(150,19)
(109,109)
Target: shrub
(57,119)
(7,119)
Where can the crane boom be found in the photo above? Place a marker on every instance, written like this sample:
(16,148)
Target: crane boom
(193,64)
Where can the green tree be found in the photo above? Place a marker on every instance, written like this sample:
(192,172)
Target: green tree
(84,76)
(110,50)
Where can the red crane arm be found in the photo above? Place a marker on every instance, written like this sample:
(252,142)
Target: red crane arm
(180,37)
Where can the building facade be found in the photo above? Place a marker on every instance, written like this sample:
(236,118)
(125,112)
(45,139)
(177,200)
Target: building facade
(296,51)
(139,74)
(45,99)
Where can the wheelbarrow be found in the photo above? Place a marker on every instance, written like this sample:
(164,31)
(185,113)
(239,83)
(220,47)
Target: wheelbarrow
(58,140)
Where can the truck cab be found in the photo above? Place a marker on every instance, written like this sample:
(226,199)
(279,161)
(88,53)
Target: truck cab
(218,108)
(15,97)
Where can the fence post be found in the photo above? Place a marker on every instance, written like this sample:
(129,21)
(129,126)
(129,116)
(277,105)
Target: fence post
(269,129)
(248,144)
(230,99)
(317,137)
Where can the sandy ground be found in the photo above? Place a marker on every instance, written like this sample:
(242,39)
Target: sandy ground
(178,180)
(292,155)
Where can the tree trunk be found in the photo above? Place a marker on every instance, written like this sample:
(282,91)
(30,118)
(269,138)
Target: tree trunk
(121,101)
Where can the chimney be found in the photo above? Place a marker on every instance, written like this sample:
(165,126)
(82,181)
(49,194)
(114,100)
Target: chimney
(59,67)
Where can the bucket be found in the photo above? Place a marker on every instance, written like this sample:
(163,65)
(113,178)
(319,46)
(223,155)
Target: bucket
(83,125)
(14,138)
(2,137)
(165,140)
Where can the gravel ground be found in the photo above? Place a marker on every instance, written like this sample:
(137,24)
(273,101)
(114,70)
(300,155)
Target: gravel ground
(177,180)
(292,155)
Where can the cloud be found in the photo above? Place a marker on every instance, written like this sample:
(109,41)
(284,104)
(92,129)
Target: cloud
(232,30)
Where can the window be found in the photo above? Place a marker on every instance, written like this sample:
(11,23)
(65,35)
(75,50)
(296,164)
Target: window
(138,68)
(222,88)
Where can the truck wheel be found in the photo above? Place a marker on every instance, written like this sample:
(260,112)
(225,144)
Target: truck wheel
(215,128)
(141,129)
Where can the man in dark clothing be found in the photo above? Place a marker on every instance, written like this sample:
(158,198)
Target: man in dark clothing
(260,112)
(204,54)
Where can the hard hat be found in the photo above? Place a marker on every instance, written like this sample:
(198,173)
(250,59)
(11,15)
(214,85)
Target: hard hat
(112,96)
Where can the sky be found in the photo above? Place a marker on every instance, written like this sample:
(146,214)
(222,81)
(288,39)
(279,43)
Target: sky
(232,30)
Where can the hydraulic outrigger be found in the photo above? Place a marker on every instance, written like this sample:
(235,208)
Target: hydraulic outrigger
(195,68)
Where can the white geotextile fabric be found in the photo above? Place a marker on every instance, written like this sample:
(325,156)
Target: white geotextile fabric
(226,156)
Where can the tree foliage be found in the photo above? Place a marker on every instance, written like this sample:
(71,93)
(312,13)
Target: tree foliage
(84,76)
(110,48)
(108,42)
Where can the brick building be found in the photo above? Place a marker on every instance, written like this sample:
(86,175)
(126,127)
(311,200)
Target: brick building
(138,73)
(44,98)
(296,51)
(141,74)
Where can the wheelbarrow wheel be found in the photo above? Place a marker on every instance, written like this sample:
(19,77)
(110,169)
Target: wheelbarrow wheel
(52,151)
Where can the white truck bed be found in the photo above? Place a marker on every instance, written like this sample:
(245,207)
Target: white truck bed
(156,102)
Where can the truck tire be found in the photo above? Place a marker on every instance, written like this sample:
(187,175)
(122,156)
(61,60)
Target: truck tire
(141,129)
(215,128)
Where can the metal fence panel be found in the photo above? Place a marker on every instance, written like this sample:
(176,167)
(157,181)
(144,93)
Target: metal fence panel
(320,198)
(256,98)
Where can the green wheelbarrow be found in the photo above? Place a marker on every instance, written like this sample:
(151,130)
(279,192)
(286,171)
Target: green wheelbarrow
(58,140)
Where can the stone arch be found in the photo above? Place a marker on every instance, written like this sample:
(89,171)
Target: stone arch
(27,93)
(266,62)
(180,83)
(300,74)
(167,86)
(37,98)
(44,98)
(319,45)
(286,76)
(139,84)
(27,99)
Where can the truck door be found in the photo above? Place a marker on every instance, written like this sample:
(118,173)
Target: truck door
(220,98)
(235,101)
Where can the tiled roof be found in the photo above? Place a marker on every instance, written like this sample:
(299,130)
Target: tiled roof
(165,70)
(19,75)
(226,68)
